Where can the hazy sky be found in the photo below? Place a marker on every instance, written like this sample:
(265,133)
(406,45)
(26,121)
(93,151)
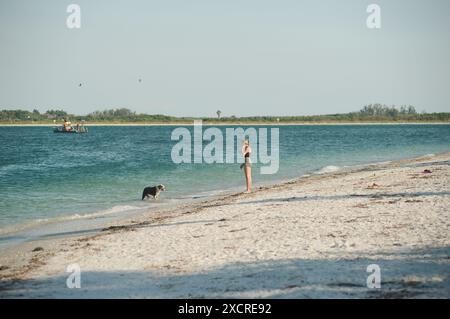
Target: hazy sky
(244,57)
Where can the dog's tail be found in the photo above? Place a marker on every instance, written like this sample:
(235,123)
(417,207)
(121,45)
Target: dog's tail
(143,195)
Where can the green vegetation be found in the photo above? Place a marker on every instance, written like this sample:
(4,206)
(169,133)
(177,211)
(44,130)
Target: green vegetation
(121,115)
(369,113)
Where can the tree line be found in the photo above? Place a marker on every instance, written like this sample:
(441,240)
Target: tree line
(369,113)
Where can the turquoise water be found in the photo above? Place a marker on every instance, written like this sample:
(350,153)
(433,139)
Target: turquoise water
(45,175)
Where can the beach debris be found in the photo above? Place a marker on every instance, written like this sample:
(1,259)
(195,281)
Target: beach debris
(350,244)
(38,249)
(118,228)
(427,171)
(373,186)
(3,267)
(413,201)
(236,230)
(393,201)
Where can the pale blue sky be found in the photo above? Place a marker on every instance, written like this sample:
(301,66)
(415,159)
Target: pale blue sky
(246,57)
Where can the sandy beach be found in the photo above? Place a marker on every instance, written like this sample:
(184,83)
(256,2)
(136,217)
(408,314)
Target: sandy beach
(312,237)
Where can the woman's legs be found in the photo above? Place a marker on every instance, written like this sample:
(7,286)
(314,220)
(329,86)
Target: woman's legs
(248,177)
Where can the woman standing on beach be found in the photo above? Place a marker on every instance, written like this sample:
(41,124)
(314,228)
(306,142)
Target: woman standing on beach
(246,151)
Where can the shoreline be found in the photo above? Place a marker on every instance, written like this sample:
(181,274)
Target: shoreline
(206,123)
(188,199)
(22,263)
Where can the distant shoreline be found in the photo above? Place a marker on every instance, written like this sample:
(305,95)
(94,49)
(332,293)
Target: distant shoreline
(206,123)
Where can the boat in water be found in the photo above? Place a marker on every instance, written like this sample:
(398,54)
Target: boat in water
(68,128)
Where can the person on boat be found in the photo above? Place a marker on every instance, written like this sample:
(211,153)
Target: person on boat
(246,151)
(66,126)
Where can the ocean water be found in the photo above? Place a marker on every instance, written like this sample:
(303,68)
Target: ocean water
(46,176)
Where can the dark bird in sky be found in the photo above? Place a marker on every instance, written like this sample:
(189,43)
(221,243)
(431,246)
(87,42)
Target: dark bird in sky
(79,85)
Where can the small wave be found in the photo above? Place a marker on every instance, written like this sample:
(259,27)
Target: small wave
(328,169)
(109,211)
(380,163)
(206,194)
(113,210)
(29,225)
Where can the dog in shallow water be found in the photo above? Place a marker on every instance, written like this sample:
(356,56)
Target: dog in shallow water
(153,191)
